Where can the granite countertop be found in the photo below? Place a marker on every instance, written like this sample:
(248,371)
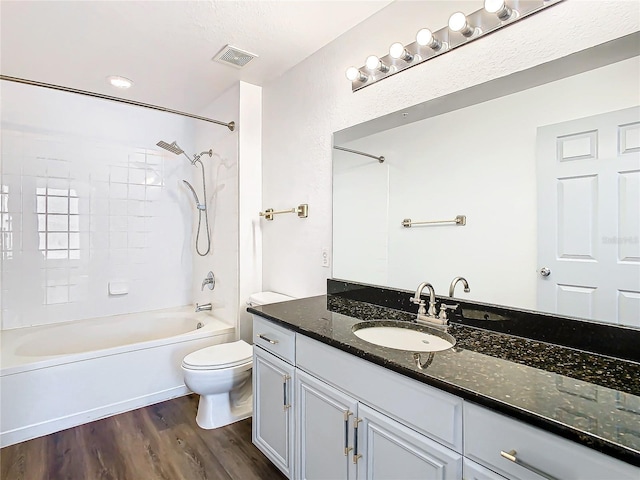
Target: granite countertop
(588,398)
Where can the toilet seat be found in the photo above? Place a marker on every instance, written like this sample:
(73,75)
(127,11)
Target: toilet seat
(221,356)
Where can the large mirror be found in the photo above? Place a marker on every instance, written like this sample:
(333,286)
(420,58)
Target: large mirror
(545,168)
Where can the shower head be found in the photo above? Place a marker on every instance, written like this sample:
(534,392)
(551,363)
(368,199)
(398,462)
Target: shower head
(171,147)
(195,196)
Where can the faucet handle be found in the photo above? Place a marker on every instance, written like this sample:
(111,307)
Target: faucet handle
(209,280)
(443,309)
(417,300)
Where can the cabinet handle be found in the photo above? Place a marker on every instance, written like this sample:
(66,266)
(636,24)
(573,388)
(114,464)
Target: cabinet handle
(347,448)
(264,337)
(356,455)
(511,456)
(286,405)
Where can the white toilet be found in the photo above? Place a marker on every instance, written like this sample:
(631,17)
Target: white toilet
(221,375)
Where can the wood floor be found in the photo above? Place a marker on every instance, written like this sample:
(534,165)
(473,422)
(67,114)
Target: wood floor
(157,442)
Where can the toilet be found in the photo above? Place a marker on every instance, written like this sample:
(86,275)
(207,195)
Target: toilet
(221,375)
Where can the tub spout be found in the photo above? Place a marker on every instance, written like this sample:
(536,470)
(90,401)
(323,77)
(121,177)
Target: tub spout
(203,307)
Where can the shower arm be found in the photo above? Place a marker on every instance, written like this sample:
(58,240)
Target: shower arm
(196,158)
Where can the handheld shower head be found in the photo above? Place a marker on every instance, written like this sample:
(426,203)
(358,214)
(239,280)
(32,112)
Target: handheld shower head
(171,147)
(195,196)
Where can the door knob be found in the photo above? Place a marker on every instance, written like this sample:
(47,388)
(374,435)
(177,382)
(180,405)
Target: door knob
(545,272)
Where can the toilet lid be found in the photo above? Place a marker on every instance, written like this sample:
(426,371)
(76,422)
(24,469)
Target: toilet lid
(219,356)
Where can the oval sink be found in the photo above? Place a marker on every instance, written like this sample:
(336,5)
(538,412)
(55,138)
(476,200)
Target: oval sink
(403,336)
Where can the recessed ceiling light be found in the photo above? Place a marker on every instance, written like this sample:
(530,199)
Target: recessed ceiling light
(119,82)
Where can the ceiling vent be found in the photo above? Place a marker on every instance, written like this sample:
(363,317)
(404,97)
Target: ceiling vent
(234,56)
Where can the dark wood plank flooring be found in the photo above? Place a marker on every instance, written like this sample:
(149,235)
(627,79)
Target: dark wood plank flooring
(158,442)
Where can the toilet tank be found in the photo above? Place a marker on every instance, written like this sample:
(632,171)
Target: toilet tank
(265,298)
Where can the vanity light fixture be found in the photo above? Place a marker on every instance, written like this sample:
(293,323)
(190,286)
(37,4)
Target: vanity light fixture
(353,74)
(460,30)
(500,8)
(397,51)
(374,63)
(458,23)
(425,38)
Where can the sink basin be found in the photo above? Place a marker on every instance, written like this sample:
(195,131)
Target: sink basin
(403,336)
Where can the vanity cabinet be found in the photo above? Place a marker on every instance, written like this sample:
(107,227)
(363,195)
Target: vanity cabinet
(352,419)
(273,394)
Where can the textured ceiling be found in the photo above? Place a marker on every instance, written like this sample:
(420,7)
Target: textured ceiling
(166,47)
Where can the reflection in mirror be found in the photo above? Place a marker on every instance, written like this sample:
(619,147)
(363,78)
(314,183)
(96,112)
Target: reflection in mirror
(546,177)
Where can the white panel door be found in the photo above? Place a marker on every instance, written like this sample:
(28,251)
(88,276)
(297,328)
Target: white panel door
(389,450)
(325,430)
(272,426)
(589,217)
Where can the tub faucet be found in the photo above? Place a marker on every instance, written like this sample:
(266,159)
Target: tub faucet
(455,281)
(431,312)
(203,307)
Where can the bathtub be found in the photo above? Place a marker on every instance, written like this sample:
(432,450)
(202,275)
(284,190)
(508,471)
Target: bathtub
(58,376)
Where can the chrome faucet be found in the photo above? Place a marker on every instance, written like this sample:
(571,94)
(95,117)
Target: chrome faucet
(431,312)
(455,281)
(203,307)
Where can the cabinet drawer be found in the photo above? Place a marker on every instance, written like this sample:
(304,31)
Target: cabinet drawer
(487,433)
(429,411)
(275,339)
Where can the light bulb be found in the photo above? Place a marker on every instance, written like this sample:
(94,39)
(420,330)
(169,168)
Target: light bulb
(354,74)
(492,6)
(374,63)
(425,38)
(397,50)
(458,23)
(499,7)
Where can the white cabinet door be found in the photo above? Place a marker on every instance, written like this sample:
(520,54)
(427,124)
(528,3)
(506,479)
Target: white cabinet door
(473,471)
(589,217)
(272,411)
(324,430)
(390,450)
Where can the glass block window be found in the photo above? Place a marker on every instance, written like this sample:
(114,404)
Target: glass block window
(58,223)
(6,227)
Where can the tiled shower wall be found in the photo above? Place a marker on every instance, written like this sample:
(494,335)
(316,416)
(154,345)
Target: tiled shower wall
(94,217)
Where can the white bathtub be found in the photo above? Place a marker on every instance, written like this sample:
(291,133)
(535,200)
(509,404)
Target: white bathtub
(58,376)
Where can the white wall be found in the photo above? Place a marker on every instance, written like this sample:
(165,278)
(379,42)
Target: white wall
(479,161)
(250,202)
(222,197)
(234,193)
(304,106)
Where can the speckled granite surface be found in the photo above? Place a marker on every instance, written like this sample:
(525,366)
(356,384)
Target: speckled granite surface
(588,398)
